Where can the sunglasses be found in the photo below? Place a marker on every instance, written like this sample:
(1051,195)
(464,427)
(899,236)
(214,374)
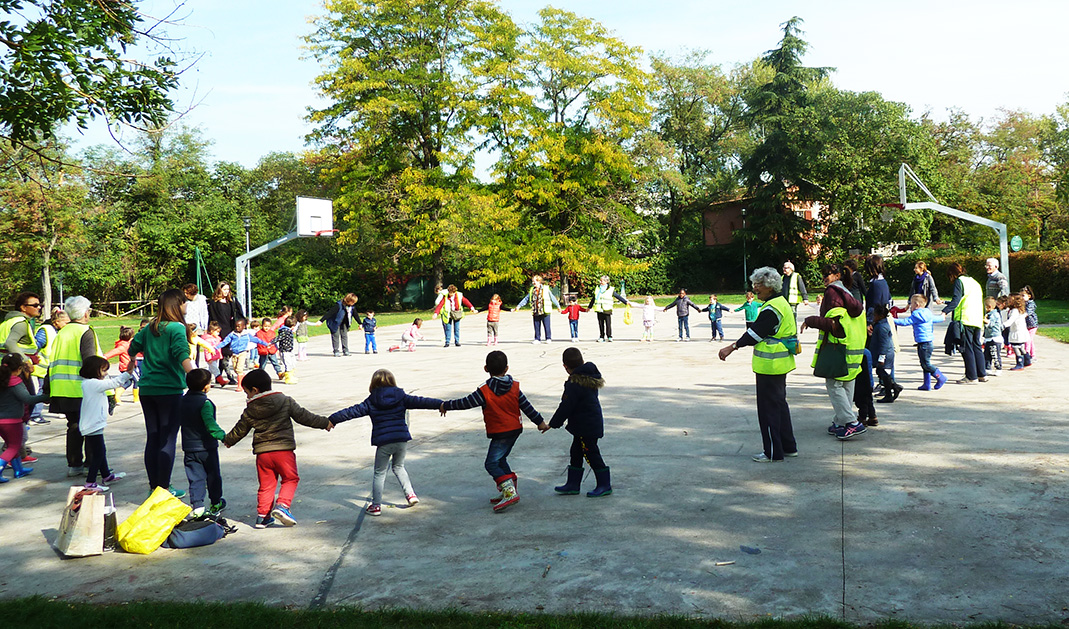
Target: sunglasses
(37,305)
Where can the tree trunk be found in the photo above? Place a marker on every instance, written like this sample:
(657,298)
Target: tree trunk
(564,288)
(674,217)
(438,266)
(46,277)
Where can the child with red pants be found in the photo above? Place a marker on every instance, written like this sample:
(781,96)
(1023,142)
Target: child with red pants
(270,415)
(15,402)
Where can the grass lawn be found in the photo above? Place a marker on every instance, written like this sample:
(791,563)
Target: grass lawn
(40,613)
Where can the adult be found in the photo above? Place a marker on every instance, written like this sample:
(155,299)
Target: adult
(19,335)
(540,297)
(877,293)
(164,342)
(924,284)
(45,337)
(967,309)
(843,334)
(793,288)
(341,316)
(224,309)
(449,307)
(997,284)
(857,280)
(75,342)
(601,302)
(773,338)
(197,308)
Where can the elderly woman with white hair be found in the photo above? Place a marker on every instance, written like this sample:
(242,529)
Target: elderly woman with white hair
(74,342)
(775,343)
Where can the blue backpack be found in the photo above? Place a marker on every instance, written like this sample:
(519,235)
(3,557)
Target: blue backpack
(194,533)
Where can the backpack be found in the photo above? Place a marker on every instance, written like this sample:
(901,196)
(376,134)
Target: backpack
(194,533)
(284,340)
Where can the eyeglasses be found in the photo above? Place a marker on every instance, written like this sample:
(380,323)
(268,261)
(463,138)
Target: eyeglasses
(37,305)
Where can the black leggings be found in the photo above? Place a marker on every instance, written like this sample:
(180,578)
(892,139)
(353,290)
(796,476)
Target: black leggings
(605,324)
(586,448)
(98,458)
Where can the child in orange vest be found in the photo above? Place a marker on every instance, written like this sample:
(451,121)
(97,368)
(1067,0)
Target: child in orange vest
(493,316)
(501,401)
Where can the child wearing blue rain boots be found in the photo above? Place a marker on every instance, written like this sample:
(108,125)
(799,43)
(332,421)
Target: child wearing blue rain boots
(922,320)
(15,402)
(581,409)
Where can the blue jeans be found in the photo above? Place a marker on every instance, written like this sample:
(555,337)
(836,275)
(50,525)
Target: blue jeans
(717,328)
(452,332)
(684,324)
(574,325)
(541,322)
(162,424)
(275,362)
(924,353)
(497,464)
(369,342)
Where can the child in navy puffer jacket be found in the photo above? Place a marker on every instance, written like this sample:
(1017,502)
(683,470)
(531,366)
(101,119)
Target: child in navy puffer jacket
(387,405)
(581,408)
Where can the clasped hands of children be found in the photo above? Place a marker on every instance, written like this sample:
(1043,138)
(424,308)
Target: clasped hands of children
(543,427)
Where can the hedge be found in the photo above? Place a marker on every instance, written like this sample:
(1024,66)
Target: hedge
(1047,272)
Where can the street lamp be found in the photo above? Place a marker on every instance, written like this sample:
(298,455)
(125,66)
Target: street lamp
(247,289)
(745,274)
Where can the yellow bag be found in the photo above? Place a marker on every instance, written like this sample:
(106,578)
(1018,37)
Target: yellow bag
(150,524)
(627,314)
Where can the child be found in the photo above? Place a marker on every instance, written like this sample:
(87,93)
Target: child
(410,336)
(493,316)
(649,318)
(200,444)
(922,320)
(16,398)
(284,342)
(572,310)
(388,408)
(280,320)
(197,345)
(300,335)
(501,400)
(581,409)
(750,308)
(121,345)
(369,324)
(1016,323)
(992,336)
(1031,320)
(253,360)
(94,417)
(211,359)
(137,362)
(268,414)
(238,341)
(682,303)
(883,350)
(715,310)
(270,350)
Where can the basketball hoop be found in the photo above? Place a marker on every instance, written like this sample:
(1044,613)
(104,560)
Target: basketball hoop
(326,232)
(887,214)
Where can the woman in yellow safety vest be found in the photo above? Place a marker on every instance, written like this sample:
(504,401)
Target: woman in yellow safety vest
(75,342)
(774,341)
(967,307)
(601,302)
(841,323)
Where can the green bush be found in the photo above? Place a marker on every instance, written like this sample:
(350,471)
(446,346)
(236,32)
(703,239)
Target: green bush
(1047,272)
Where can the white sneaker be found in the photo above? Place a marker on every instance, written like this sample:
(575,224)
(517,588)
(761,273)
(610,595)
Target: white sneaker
(535,342)
(761,458)
(995,372)
(196,513)
(549,340)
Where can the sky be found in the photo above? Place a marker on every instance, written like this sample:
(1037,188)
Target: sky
(252,82)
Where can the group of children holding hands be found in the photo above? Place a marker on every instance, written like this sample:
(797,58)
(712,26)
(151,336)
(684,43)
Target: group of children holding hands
(269,415)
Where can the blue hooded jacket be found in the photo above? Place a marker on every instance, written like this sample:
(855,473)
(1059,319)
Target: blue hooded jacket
(579,405)
(386,406)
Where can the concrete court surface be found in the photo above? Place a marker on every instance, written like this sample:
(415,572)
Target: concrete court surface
(952,510)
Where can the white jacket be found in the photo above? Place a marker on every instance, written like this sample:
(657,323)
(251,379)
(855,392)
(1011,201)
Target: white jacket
(95,402)
(1015,323)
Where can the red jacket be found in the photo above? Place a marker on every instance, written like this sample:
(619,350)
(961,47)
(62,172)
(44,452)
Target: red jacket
(493,311)
(267,336)
(573,311)
(120,350)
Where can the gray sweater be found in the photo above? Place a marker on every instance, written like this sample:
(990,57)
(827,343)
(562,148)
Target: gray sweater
(15,398)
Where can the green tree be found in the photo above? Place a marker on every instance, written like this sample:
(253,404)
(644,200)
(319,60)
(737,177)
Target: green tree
(778,173)
(64,61)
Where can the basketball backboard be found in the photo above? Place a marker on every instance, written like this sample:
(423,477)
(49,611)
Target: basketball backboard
(315,217)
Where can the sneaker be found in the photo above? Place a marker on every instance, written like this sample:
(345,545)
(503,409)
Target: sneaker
(847,432)
(871,422)
(336,355)
(679,339)
(217,508)
(282,513)
(834,429)
(966,381)
(375,510)
(761,458)
(994,373)
(549,340)
(535,342)
(1017,368)
(982,378)
(177,493)
(601,340)
(197,513)
(75,471)
(608,340)
(40,421)
(412,500)
(96,486)
(263,522)
(791,454)
(114,476)
(29,459)
(345,353)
